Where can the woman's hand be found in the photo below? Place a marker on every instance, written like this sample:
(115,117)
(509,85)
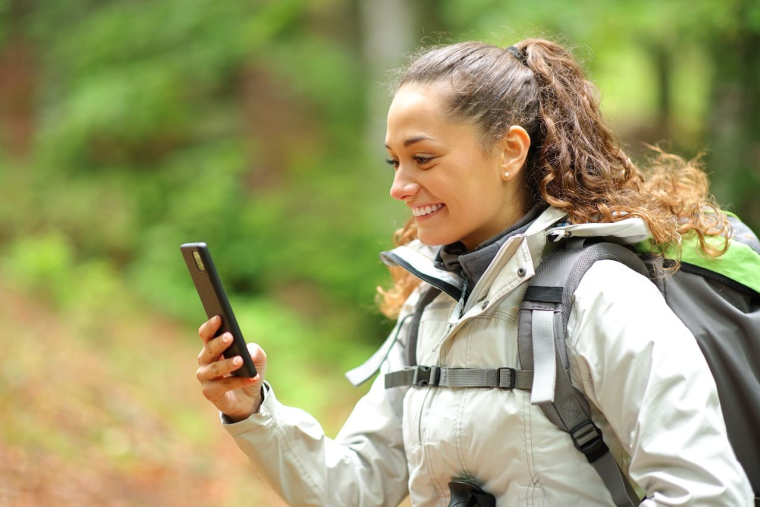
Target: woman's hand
(236,397)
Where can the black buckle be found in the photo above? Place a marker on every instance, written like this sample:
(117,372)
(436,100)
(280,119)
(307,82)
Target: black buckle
(512,377)
(587,438)
(425,375)
(467,494)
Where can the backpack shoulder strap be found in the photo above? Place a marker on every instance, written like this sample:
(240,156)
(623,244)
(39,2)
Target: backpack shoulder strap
(436,376)
(367,370)
(542,331)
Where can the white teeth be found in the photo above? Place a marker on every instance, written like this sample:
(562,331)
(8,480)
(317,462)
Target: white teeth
(420,212)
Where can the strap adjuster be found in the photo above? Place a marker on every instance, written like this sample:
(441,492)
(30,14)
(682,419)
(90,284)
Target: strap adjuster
(587,438)
(425,375)
(512,378)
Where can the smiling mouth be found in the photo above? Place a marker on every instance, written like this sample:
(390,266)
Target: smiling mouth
(424,211)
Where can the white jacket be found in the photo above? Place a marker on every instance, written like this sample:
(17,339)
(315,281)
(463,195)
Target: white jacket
(648,384)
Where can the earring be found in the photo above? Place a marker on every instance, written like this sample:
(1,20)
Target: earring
(506,175)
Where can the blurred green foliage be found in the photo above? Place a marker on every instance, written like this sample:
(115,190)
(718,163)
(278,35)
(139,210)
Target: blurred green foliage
(128,127)
(241,124)
(146,138)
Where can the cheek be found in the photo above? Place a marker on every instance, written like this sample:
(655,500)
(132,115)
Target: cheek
(482,191)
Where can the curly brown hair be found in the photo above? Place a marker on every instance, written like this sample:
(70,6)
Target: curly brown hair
(575,162)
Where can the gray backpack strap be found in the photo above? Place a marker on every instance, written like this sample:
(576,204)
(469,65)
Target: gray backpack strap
(367,370)
(542,331)
(436,376)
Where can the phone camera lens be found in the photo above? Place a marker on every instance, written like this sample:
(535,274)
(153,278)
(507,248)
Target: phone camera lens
(198,261)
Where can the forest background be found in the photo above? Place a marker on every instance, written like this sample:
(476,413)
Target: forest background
(128,127)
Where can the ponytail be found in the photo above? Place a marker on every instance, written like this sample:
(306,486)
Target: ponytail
(582,169)
(579,160)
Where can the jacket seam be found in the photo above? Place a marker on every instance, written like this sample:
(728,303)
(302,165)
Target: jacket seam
(314,485)
(460,415)
(426,449)
(498,315)
(535,486)
(460,434)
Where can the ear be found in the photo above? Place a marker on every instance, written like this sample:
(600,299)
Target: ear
(514,150)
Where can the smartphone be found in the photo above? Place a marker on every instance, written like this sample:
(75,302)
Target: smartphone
(214,300)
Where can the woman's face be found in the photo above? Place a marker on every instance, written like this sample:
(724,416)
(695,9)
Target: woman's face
(457,191)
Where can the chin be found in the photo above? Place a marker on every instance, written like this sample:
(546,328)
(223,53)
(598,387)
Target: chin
(431,239)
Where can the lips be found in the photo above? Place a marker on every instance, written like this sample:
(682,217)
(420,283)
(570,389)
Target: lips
(422,211)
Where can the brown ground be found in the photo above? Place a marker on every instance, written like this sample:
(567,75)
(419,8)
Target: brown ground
(90,415)
(104,409)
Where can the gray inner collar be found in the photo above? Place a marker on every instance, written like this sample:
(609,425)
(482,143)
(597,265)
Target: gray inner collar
(456,259)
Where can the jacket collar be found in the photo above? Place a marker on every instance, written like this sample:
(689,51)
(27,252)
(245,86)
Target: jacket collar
(471,265)
(419,259)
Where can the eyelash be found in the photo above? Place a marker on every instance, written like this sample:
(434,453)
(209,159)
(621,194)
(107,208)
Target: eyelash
(417,158)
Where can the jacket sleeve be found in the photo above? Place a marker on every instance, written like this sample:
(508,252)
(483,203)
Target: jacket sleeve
(365,465)
(643,370)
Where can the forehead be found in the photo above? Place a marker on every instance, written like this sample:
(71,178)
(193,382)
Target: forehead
(415,97)
(417,110)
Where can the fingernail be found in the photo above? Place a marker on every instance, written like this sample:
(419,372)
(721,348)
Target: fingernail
(237,360)
(216,319)
(227,337)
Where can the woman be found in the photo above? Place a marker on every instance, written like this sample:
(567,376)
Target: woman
(491,148)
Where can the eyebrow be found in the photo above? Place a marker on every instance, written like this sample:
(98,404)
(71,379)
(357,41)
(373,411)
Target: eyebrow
(412,140)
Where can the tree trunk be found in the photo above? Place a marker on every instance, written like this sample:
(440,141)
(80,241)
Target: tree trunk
(663,60)
(390,32)
(17,84)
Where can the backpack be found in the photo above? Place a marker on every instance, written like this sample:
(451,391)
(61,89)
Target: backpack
(717,299)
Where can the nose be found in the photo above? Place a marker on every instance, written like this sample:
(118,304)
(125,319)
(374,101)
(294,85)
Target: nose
(403,186)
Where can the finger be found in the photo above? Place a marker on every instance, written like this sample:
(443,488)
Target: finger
(258,356)
(214,348)
(218,369)
(209,328)
(215,389)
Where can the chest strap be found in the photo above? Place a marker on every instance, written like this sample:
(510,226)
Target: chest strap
(503,378)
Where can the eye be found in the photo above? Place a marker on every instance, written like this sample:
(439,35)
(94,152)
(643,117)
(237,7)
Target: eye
(421,159)
(392,162)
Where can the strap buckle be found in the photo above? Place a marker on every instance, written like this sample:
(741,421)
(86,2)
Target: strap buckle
(587,438)
(555,235)
(425,375)
(512,378)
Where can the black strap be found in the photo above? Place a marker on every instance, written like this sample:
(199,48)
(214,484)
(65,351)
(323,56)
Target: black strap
(543,294)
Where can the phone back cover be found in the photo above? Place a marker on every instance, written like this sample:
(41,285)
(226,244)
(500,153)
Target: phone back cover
(215,302)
